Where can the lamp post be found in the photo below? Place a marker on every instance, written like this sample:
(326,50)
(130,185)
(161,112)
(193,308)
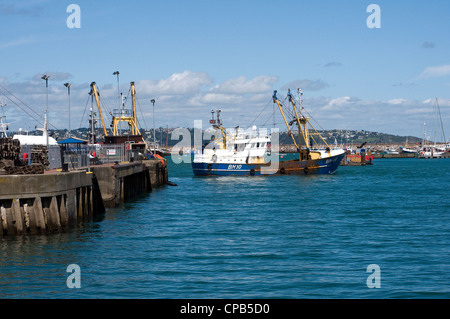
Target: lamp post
(119,97)
(67,85)
(154,132)
(45,77)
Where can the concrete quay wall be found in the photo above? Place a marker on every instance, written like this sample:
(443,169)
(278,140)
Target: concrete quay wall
(48,203)
(54,201)
(401,155)
(159,174)
(122,182)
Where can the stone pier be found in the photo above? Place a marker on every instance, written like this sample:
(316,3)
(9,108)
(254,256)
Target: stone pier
(122,182)
(52,202)
(48,203)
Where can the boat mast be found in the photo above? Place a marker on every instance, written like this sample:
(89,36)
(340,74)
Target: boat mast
(134,128)
(131,120)
(304,122)
(299,122)
(92,122)
(94,91)
(440,119)
(275,100)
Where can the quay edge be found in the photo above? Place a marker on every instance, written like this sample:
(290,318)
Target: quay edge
(122,182)
(55,201)
(47,203)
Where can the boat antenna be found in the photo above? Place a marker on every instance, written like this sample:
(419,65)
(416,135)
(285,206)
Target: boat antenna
(218,118)
(300,94)
(212,121)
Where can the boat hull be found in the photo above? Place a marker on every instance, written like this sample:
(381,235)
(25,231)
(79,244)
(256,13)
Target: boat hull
(320,166)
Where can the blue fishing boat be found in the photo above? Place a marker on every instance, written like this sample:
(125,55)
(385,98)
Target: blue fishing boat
(250,152)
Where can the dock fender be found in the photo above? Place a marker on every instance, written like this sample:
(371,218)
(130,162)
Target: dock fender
(306,170)
(209,167)
(282,170)
(252,172)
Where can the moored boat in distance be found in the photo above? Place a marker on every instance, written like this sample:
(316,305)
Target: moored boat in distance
(408,150)
(433,152)
(252,152)
(438,149)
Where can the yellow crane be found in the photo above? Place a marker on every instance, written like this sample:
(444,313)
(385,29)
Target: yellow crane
(131,120)
(97,100)
(302,122)
(116,120)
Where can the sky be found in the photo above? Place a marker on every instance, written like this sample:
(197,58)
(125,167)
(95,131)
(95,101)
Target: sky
(193,56)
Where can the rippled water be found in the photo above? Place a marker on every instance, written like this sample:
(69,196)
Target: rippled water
(254,237)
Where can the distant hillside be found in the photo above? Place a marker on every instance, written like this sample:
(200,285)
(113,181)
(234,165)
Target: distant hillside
(355,137)
(331,136)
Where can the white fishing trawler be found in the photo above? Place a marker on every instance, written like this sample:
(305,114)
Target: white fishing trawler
(249,152)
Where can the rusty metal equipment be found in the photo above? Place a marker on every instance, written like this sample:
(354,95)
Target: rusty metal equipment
(11,164)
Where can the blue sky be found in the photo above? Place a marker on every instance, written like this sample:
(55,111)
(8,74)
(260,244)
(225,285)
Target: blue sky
(194,56)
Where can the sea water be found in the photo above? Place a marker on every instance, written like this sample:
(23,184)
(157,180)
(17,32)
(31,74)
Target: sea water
(315,236)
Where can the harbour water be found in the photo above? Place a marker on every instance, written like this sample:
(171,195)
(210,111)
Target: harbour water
(254,237)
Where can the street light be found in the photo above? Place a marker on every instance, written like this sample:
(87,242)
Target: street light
(45,77)
(154,133)
(67,85)
(120,101)
(118,90)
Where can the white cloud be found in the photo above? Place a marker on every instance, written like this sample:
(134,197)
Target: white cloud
(340,103)
(186,82)
(442,102)
(53,76)
(435,71)
(399,116)
(241,85)
(219,98)
(188,96)
(403,102)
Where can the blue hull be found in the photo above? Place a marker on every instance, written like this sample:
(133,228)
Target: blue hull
(205,169)
(320,166)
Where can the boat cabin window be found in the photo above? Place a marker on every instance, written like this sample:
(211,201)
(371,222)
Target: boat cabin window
(257,144)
